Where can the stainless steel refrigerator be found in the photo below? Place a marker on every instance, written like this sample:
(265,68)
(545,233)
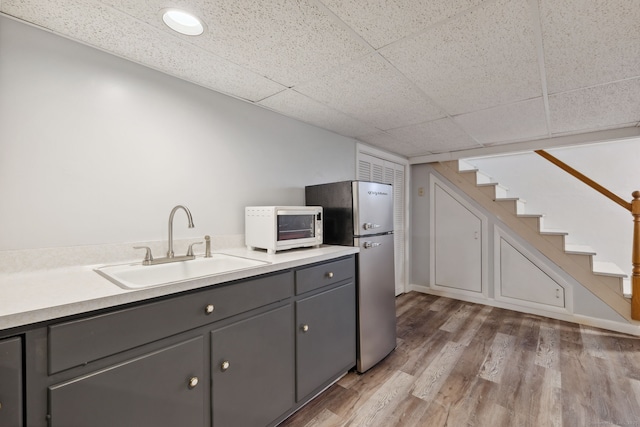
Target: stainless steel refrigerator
(360,213)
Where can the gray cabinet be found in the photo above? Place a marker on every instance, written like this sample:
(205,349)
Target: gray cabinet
(11,382)
(164,388)
(253,369)
(233,354)
(326,337)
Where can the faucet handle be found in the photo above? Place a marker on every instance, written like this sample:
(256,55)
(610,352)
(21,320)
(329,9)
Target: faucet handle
(147,257)
(207,251)
(190,250)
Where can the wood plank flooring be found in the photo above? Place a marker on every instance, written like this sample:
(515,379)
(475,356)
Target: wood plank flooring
(463,364)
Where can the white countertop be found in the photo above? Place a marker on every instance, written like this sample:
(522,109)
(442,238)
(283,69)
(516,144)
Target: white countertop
(32,297)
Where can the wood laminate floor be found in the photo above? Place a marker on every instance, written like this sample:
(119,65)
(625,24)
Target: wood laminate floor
(464,364)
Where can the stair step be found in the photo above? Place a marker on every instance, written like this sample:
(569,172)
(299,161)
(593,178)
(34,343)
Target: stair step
(532,220)
(603,268)
(463,165)
(493,190)
(579,249)
(475,176)
(515,205)
(626,288)
(557,237)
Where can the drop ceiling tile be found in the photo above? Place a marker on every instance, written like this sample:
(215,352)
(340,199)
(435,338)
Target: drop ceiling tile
(283,40)
(296,105)
(382,22)
(372,91)
(387,142)
(507,123)
(599,107)
(589,42)
(122,35)
(480,60)
(435,136)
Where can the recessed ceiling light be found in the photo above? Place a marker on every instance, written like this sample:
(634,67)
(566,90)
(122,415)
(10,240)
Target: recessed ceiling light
(182,22)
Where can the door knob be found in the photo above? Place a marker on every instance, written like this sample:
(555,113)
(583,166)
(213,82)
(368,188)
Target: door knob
(193,382)
(225,365)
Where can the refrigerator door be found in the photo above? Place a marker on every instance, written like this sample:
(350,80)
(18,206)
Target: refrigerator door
(376,300)
(373,208)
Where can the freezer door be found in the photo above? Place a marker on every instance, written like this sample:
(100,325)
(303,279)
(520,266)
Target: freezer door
(376,300)
(373,212)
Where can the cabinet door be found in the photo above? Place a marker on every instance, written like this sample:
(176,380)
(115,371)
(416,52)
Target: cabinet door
(458,244)
(325,338)
(153,390)
(252,372)
(11,382)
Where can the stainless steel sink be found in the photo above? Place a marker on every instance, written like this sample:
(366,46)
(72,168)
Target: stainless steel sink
(137,276)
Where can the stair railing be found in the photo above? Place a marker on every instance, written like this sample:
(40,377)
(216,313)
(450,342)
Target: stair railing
(633,207)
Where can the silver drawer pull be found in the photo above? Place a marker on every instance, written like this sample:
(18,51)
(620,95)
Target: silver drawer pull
(225,365)
(209,309)
(305,328)
(330,275)
(193,382)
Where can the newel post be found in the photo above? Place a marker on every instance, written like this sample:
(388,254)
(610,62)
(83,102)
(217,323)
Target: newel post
(635,257)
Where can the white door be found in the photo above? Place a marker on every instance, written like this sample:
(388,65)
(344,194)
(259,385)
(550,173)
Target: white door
(374,169)
(458,244)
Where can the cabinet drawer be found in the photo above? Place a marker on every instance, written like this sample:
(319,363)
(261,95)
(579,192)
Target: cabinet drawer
(308,279)
(81,341)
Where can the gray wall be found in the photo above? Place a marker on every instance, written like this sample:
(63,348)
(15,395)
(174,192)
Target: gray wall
(95,149)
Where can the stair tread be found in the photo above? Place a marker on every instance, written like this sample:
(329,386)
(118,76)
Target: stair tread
(511,199)
(605,268)
(579,249)
(626,288)
(553,232)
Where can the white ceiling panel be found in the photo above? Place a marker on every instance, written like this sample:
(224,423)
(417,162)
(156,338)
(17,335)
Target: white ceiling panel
(301,107)
(480,60)
(115,32)
(289,42)
(436,136)
(588,42)
(600,107)
(506,123)
(385,141)
(372,91)
(382,22)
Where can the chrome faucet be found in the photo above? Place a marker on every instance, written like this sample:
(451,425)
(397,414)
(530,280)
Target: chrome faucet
(150,260)
(170,253)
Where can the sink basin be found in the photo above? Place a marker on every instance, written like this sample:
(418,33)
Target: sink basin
(137,276)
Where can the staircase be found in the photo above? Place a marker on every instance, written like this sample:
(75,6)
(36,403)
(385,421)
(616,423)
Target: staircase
(606,280)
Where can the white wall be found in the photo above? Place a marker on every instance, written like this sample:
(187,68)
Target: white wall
(95,149)
(570,205)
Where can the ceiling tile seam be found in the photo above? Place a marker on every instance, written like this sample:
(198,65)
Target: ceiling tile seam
(336,19)
(419,90)
(187,41)
(627,79)
(536,23)
(373,125)
(437,24)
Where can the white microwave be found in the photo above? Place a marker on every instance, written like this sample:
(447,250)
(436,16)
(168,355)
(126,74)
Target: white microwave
(276,228)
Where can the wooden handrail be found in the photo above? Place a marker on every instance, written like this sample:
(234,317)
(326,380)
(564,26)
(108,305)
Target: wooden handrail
(633,207)
(591,183)
(635,257)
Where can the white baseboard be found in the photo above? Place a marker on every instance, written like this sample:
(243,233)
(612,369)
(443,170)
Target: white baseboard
(625,328)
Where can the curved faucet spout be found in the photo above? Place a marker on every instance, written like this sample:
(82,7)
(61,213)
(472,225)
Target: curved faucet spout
(173,212)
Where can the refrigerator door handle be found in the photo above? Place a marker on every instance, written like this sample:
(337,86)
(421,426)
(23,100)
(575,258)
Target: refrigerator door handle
(369,245)
(370,226)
